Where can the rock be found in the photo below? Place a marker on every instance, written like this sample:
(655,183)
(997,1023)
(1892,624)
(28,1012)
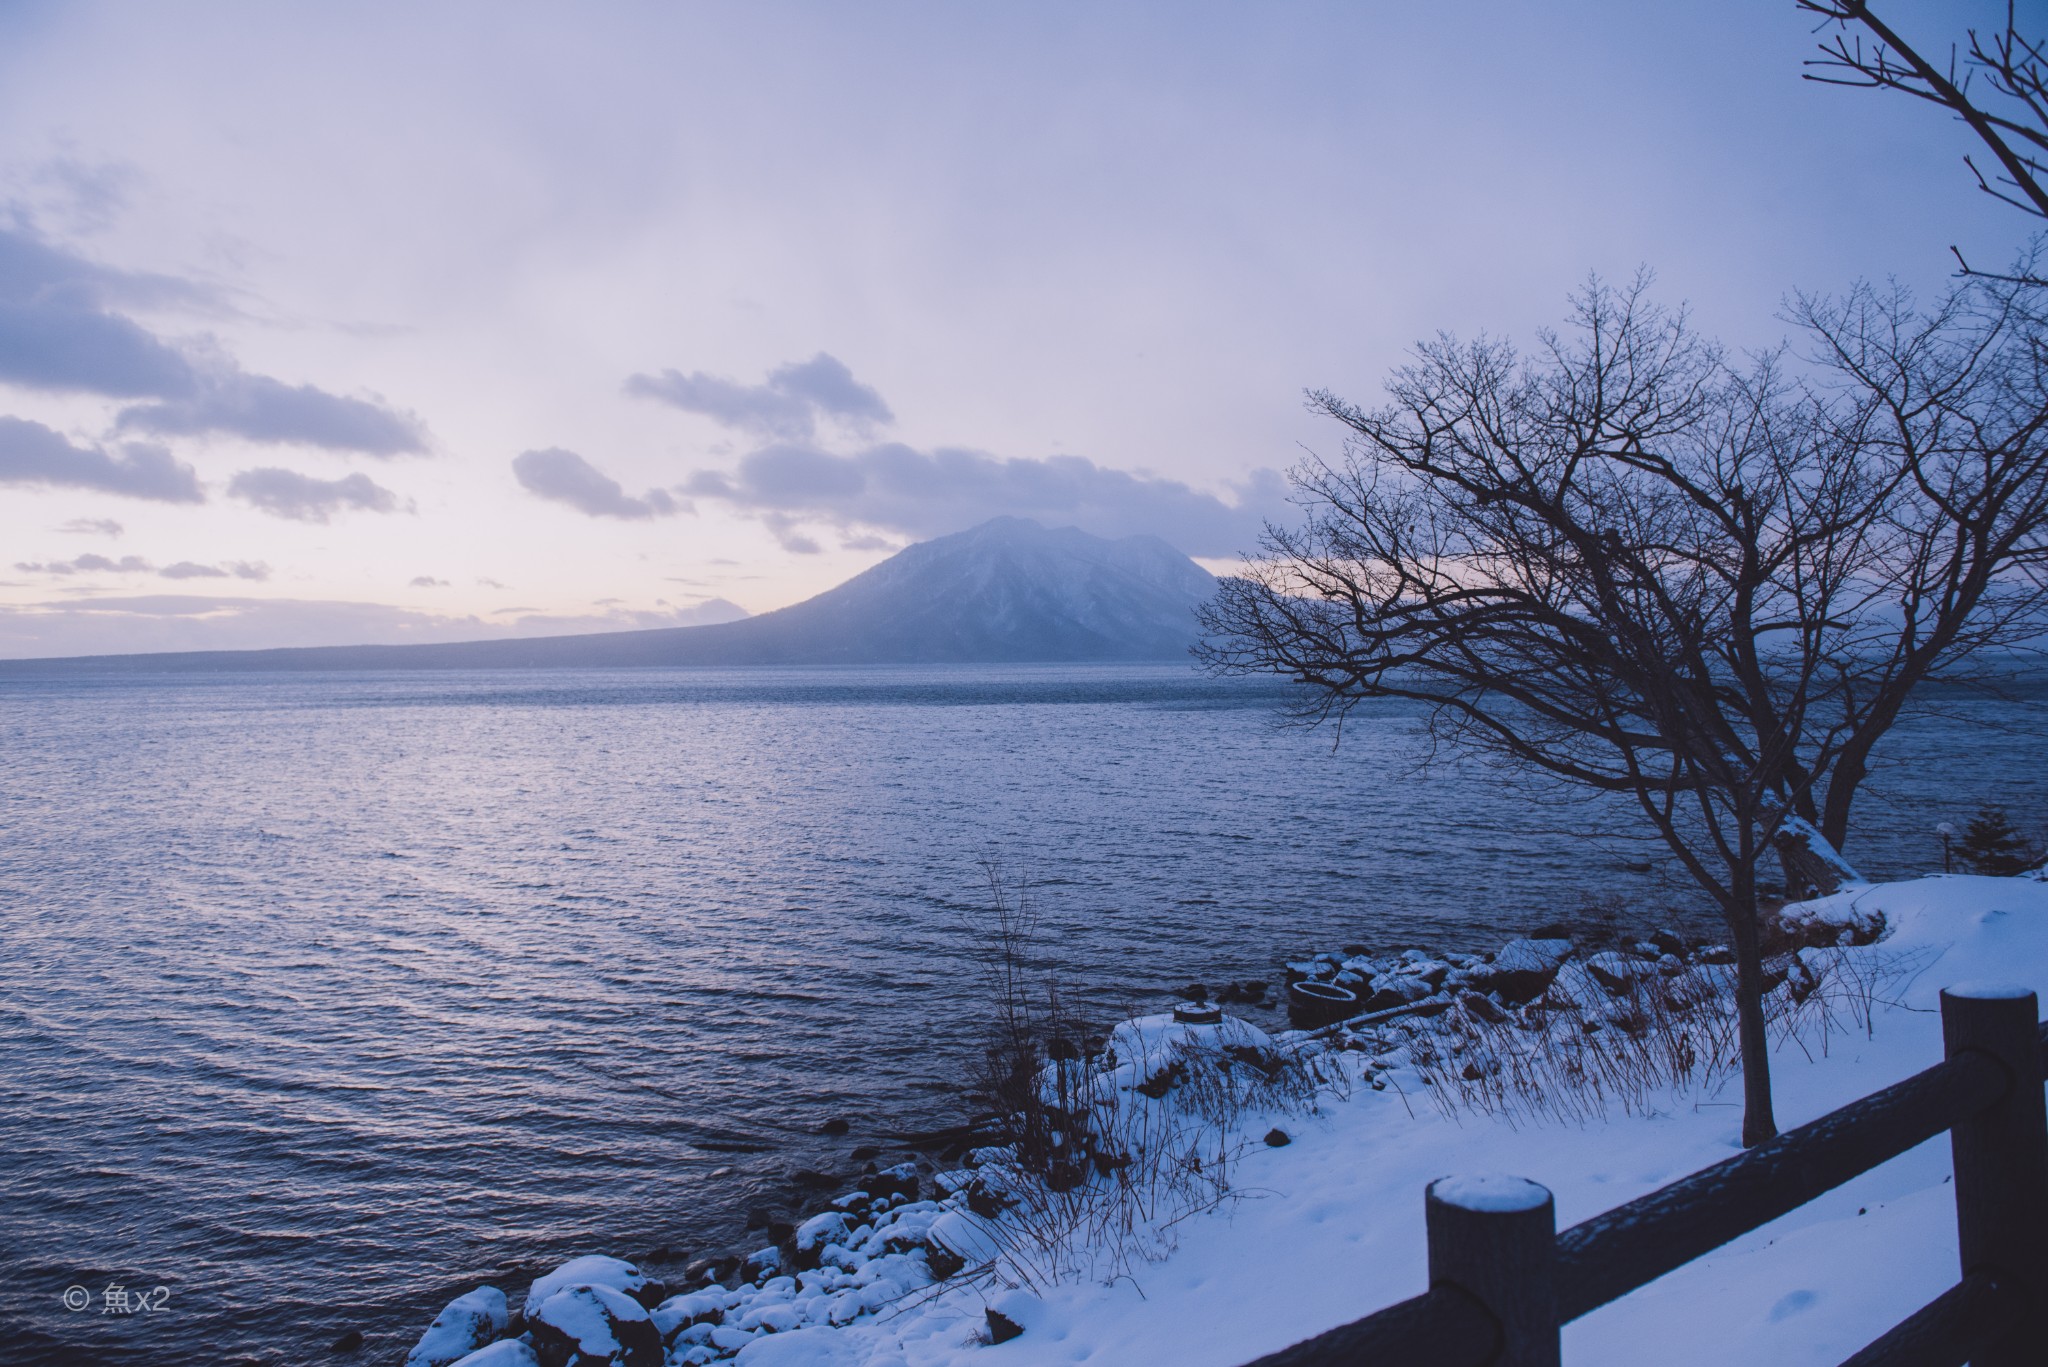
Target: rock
(865,1152)
(464,1325)
(969,1238)
(899,1181)
(763,1261)
(712,1269)
(814,1234)
(594,1326)
(678,1313)
(1001,1328)
(506,1353)
(1277,1138)
(1482,1008)
(837,1125)
(1832,921)
(594,1270)
(1716,954)
(1668,942)
(811,1177)
(1395,989)
(1523,969)
(1615,972)
(350,1342)
(1416,964)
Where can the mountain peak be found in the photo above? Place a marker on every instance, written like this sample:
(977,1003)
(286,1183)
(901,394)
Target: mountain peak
(1005,591)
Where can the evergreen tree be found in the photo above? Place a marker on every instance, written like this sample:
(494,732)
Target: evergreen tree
(1989,844)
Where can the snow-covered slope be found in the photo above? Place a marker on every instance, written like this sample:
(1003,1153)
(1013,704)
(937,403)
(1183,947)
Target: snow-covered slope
(1331,1226)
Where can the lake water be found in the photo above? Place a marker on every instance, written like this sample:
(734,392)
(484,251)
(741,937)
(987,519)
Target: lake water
(323,998)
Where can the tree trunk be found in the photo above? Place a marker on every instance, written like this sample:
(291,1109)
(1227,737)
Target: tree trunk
(1813,867)
(1759,1123)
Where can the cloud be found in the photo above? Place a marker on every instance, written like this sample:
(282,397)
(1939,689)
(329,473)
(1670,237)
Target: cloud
(33,454)
(60,331)
(86,564)
(787,406)
(287,493)
(566,477)
(427,581)
(894,488)
(92,526)
(261,409)
(128,624)
(135,564)
(55,343)
(235,569)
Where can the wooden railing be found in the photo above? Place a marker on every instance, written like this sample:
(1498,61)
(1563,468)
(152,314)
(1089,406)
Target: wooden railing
(1503,1281)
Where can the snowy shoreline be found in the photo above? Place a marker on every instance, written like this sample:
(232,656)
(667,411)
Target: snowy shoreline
(1322,1223)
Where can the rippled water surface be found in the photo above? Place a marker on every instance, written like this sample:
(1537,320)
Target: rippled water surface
(324,997)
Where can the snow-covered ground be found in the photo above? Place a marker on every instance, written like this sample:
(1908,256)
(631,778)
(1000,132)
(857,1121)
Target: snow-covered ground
(1329,1227)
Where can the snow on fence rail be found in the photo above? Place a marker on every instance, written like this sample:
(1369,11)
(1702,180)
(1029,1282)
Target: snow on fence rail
(1503,1281)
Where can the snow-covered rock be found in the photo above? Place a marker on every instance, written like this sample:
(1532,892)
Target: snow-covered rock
(464,1325)
(594,1326)
(505,1353)
(593,1270)
(1617,972)
(1849,917)
(1522,969)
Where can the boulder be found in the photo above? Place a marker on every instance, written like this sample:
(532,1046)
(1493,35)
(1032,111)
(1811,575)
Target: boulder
(814,1234)
(1395,989)
(1617,973)
(1523,969)
(504,1353)
(899,1181)
(1482,1008)
(595,1270)
(678,1313)
(464,1325)
(594,1326)
(969,1240)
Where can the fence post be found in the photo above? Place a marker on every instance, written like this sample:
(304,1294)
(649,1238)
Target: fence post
(2001,1161)
(1495,1238)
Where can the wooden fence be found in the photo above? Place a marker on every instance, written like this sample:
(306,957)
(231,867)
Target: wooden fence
(1503,1281)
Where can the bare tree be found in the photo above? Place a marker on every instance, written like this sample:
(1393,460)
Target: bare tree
(1998,85)
(1634,566)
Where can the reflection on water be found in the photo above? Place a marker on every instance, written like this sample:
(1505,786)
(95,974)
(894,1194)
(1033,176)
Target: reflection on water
(324,997)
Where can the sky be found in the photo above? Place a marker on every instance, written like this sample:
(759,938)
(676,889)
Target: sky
(332,323)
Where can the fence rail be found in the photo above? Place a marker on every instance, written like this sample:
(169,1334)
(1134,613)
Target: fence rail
(1503,1281)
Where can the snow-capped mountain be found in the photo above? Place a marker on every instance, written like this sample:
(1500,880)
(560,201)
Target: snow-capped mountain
(1007,591)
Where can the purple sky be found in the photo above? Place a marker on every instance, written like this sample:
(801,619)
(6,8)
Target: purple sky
(378,322)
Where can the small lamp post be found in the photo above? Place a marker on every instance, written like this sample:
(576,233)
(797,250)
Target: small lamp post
(1947,832)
